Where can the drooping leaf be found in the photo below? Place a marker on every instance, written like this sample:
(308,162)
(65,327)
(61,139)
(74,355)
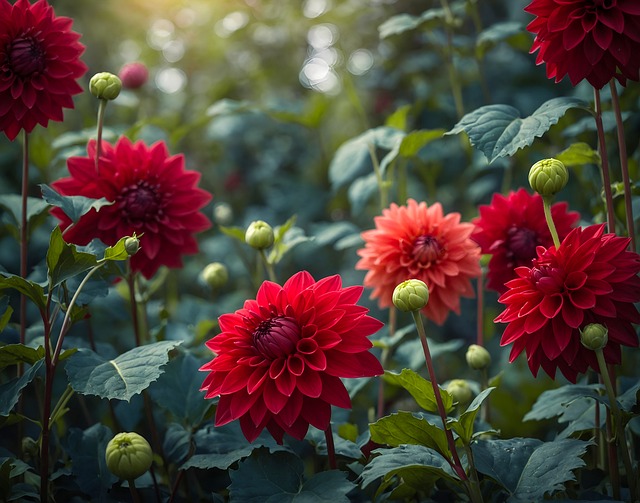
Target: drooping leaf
(528,468)
(64,261)
(497,32)
(5,312)
(420,389)
(13,354)
(463,426)
(33,291)
(553,402)
(73,206)
(579,154)
(405,428)
(499,131)
(121,378)
(10,390)
(36,212)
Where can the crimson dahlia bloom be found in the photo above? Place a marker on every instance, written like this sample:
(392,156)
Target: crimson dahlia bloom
(420,242)
(152,194)
(595,40)
(511,228)
(39,65)
(590,278)
(278,360)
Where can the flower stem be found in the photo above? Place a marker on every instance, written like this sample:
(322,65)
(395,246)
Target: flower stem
(383,186)
(454,81)
(131,282)
(101,109)
(331,449)
(24,237)
(619,436)
(606,179)
(480,310)
(624,165)
(546,202)
(268,266)
(134,492)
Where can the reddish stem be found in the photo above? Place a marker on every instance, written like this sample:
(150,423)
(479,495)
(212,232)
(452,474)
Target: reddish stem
(331,449)
(606,179)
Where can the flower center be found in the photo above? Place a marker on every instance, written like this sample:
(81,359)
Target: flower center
(140,202)
(522,243)
(427,250)
(276,337)
(26,57)
(548,279)
(605,4)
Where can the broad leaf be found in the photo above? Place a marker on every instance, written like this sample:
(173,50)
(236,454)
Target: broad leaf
(401,23)
(13,354)
(579,154)
(497,32)
(176,443)
(64,261)
(33,291)
(36,212)
(552,403)
(416,140)
(499,131)
(127,375)
(73,206)
(421,389)
(10,390)
(89,465)
(361,191)
(463,426)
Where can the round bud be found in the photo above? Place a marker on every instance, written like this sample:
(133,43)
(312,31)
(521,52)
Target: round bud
(105,86)
(132,245)
(128,455)
(133,75)
(594,336)
(259,235)
(215,275)
(410,295)
(461,391)
(548,176)
(223,213)
(478,358)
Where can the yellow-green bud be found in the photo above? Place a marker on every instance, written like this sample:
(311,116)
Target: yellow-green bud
(215,275)
(105,86)
(594,336)
(132,245)
(478,358)
(128,455)
(410,295)
(259,235)
(461,391)
(548,176)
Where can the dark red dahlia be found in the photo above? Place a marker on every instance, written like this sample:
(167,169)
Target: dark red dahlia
(590,278)
(39,65)
(595,40)
(511,228)
(153,195)
(278,360)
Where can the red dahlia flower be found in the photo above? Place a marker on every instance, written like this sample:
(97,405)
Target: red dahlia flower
(153,195)
(590,278)
(278,360)
(511,228)
(39,65)
(587,39)
(419,242)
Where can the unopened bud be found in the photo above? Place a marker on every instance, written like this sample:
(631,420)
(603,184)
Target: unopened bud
(128,455)
(259,235)
(133,75)
(461,391)
(132,245)
(411,295)
(105,86)
(478,358)
(548,177)
(594,336)
(215,275)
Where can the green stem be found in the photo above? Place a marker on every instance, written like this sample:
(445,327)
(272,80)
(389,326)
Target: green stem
(133,301)
(546,201)
(454,81)
(101,109)
(624,165)
(619,438)
(62,403)
(606,178)
(474,482)
(382,185)
(268,266)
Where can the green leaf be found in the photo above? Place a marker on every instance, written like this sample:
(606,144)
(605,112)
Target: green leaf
(36,212)
(401,23)
(33,291)
(399,118)
(13,354)
(176,443)
(552,403)
(361,191)
(416,140)
(463,426)
(528,468)
(127,375)
(64,261)
(499,131)
(73,206)
(117,251)
(178,389)
(10,390)
(579,154)
(6,311)
(421,389)
(497,32)
(88,462)
(234,232)
(405,428)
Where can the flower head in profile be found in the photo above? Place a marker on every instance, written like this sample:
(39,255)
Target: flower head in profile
(417,241)
(595,40)
(39,65)
(278,360)
(591,278)
(511,228)
(153,195)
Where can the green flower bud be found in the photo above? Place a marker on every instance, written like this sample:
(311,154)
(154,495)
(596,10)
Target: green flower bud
(259,235)
(594,336)
(128,455)
(215,275)
(410,295)
(132,245)
(223,213)
(461,391)
(548,177)
(478,358)
(105,86)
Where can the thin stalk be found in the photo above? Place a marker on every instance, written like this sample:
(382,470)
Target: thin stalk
(24,237)
(131,282)
(454,81)
(271,273)
(101,109)
(134,492)
(384,359)
(552,226)
(480,310)
(624,165)
(474,482)
(383,188)
(606,178)
(331,449)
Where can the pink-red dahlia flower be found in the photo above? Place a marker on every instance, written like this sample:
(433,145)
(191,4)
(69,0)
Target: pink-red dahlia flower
(278,360)
(153,195)
(595,40)
(511,228)
(39,65)
(420,242)
(590,278)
